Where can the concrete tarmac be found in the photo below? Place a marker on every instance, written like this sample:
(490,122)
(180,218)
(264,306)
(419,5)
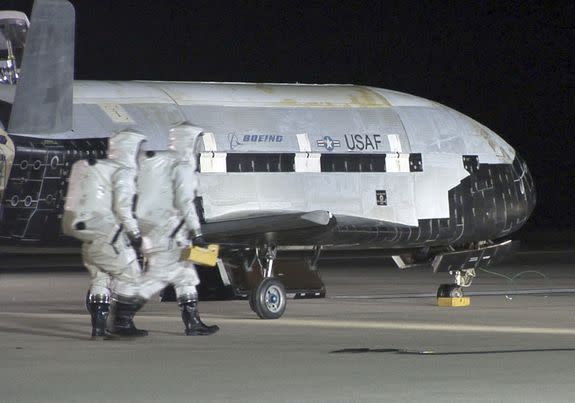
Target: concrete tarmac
(379,336)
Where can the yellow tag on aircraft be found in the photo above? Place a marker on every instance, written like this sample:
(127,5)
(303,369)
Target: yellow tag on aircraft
(203,256)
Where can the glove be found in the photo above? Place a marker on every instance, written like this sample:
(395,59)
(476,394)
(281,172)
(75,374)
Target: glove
(135,240)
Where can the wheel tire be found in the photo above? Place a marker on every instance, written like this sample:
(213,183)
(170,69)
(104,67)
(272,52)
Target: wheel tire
(449,291)
(269,299)
(455,291)
(443,291)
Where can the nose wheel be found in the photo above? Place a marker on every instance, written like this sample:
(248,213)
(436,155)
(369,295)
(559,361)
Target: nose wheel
(449,291)
(268,300)
(463,278)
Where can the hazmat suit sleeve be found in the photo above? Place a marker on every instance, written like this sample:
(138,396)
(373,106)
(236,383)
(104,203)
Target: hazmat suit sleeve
(124,190)
(185,181)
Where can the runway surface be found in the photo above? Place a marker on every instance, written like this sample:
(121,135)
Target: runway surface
(377,337)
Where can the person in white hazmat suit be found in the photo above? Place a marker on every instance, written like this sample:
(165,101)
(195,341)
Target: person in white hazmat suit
(99,211)
(167,216)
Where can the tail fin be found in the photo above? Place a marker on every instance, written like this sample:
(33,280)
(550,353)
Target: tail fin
(43,100)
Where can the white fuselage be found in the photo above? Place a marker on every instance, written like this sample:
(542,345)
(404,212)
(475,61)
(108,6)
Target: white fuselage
(354,151)
(308,120)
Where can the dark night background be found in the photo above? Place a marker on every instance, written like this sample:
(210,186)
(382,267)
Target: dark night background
(509,65)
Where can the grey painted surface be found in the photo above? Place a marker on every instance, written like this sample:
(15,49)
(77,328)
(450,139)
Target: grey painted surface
(43,100)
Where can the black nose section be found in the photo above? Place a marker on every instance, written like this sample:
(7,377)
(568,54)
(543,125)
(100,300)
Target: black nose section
(524,186)
(495,200)
(514,197)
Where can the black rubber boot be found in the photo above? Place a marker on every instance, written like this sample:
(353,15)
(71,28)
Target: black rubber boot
(123,311)
(192,321)
(99,312)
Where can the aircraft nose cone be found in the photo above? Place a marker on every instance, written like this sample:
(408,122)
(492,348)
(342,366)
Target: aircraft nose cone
(525,188)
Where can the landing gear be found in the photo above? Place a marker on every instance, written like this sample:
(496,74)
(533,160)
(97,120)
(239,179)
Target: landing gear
(449,291)
(463,279)
(268,300)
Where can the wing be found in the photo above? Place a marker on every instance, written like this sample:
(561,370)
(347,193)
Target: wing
(299,228)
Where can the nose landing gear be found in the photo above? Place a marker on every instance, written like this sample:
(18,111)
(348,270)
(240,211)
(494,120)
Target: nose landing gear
(268,300)
(463,279)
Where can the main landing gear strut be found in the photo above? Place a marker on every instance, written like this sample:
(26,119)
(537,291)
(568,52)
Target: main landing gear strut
(268,299)
(463,279)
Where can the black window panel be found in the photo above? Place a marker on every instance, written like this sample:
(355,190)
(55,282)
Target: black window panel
(415,163)
(332,163)
(233,163)
(260,163)
(471,163)
(364,163)
(274,164)
(255,162)
(375,162)
(352,162)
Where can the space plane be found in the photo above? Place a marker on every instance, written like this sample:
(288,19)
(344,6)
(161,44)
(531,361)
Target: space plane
(283,167)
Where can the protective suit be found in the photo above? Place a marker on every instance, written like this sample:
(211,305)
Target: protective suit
(166,214)
(99,211)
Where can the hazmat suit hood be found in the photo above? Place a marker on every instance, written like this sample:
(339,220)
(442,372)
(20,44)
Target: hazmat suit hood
(123,148)
(183,141)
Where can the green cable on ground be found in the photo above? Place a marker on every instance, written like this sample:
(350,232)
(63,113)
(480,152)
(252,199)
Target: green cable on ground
(511,280)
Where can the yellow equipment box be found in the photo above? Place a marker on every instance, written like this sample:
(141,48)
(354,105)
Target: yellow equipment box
(452,302)
(203,256)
